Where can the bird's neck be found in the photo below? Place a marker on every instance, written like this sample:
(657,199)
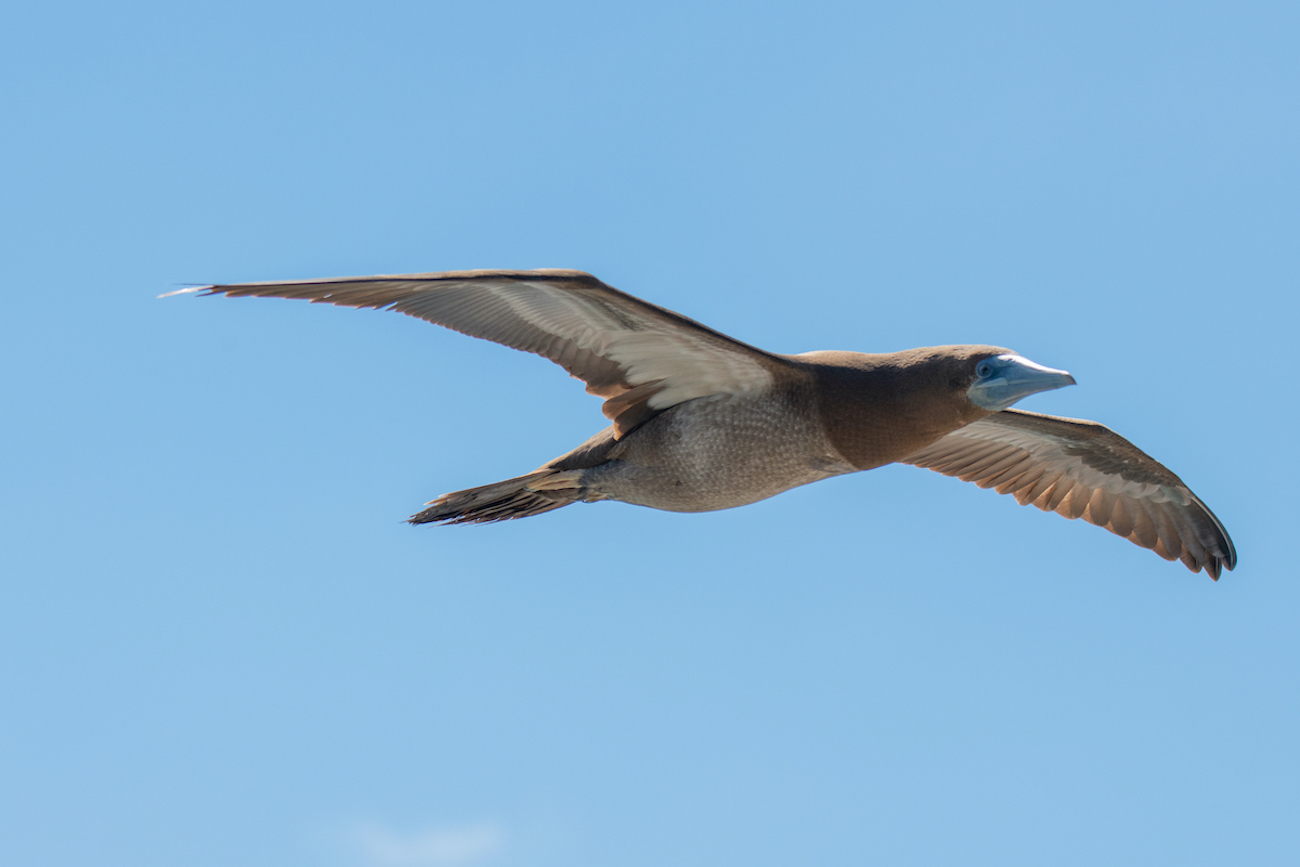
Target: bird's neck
(877,409)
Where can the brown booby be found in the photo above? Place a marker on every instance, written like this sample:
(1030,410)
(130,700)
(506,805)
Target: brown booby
(704,422)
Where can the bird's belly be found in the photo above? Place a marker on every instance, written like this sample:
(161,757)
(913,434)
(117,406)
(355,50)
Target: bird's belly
(716,453)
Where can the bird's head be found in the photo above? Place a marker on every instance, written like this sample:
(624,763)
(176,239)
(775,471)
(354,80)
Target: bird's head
(998,378)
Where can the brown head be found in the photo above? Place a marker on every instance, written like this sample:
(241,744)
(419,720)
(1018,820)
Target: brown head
(878,408)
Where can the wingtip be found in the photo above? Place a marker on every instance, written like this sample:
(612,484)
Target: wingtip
(191,290)
(1224,557)
(1217,564)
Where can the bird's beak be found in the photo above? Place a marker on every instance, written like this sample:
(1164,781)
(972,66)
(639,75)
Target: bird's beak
(1013,378)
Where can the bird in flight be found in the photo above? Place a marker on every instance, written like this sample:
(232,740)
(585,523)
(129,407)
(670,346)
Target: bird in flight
(702,421)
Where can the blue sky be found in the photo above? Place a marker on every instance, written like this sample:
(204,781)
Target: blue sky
(220,645)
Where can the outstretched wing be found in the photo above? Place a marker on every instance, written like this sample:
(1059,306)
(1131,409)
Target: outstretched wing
(641,358)
(1081,469)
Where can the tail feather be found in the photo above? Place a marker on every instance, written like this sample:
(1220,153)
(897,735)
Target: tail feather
(520,497)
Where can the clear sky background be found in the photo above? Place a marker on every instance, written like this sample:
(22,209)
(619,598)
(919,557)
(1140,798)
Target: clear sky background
(219,644)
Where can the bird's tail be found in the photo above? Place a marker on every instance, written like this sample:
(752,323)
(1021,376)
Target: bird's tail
(537,492)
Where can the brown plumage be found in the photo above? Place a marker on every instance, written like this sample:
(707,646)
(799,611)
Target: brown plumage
(1081,469)
(702,421)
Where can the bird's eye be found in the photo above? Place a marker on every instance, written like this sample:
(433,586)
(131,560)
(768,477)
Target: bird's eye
(984,369)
